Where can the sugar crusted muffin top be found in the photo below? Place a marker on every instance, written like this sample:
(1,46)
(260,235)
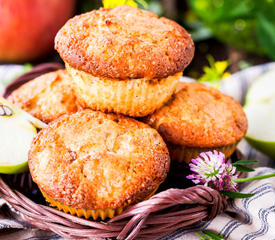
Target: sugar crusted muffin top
(200,116)
(94,160)
(124,42)
(46,97)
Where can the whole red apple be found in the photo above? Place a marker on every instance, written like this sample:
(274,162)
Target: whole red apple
(28,27)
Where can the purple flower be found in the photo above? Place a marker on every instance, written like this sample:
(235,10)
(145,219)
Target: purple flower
(210,169)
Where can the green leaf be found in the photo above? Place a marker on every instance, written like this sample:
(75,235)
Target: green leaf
(244,162)
(238,180)
(213,236)
(222,11)
(209,235)
(233,194)
(143,3)
(241,168)
(237,9)
(266,33)
(203,237)
(232,21)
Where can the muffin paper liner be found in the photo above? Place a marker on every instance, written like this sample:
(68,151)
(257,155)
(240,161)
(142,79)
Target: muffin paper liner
(133,97)
(186,154)
(90,213)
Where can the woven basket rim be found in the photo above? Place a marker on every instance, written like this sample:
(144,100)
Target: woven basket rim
(162,214)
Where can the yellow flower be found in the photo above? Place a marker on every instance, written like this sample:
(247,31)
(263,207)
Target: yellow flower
(221,66)
(225,75)
(114,3)
(214,73)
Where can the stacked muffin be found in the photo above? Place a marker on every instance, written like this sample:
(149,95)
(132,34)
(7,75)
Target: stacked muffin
(95,165)
(123,59)
(199,119)
(95,162)
(47,97)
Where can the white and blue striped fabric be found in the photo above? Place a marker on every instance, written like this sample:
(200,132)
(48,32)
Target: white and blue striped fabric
(245,219)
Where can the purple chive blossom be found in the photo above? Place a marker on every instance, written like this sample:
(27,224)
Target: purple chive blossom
(210,169)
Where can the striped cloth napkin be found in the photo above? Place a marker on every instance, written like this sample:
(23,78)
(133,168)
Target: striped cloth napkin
(246,219)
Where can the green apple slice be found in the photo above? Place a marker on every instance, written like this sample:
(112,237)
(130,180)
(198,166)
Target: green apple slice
(263,89)
(261,127)
(17,130)
(260,111)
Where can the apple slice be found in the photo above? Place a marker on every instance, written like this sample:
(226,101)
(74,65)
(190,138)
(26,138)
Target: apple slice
(263,89)
(260,111)
(17,130)
(261,130)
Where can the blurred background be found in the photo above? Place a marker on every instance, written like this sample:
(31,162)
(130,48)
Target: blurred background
(240,32)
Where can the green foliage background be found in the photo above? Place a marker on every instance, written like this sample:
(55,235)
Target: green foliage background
(247,24)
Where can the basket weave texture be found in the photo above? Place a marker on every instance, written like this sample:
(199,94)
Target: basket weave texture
(156,217)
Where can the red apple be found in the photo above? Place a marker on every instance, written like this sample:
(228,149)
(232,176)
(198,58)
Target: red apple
(28,27)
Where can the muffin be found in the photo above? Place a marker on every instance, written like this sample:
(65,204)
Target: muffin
(94,164)
(124,59)
(199,118)
(134,97)
(46,97)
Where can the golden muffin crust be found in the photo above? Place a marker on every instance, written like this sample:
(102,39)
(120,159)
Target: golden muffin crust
(46,97)
(124,42)
(200,116)
(134,97)
(94,160)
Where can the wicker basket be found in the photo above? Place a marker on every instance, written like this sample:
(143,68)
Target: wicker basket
(162,214)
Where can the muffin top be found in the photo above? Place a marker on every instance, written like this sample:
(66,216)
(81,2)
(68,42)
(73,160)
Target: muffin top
(94,160)
(200,116)
(46,97)
(124,42)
